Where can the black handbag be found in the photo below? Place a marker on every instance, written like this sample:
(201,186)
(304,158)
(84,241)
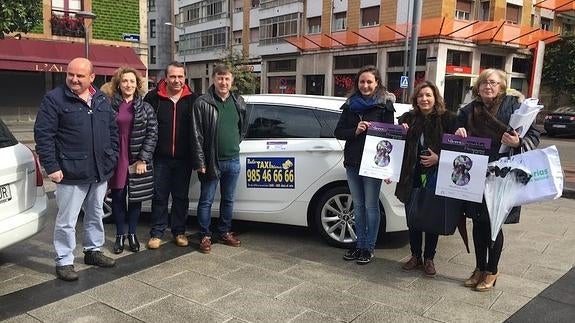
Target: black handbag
(432,213)
(140,186)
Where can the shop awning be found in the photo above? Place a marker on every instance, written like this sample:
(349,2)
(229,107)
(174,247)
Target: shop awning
(557,5)
(497,32)
(53,56)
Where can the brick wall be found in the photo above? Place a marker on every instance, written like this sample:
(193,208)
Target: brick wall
(115,18)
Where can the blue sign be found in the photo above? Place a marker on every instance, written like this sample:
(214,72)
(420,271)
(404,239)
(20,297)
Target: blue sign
(270,172)
(404,82)
(135,38)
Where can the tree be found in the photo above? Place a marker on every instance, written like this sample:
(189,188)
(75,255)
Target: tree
(244,79)
(559,68)
(19,15)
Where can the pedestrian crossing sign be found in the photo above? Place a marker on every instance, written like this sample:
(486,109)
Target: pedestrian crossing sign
(403,83)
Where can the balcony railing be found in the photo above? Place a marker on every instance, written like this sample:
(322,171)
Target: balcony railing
(65,24)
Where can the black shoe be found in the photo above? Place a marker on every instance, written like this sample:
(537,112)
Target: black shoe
(133,242)
(352,254)
(119,245)
(66,273)
(97,258)
(364,257)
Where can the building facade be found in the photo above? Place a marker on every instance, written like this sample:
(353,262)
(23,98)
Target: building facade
(315,47)
(32,64)
(160,38)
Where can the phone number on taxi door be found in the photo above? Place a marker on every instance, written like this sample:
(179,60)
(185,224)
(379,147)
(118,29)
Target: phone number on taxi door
(270,172)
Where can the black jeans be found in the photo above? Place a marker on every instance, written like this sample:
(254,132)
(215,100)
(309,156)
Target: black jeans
(121,213)
(415,241)
(171,176)
(487,253)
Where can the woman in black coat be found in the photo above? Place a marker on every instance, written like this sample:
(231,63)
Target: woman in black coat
(488,116)
(426,124)
(138,132)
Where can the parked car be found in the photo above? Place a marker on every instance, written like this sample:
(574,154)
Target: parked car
(23,201)
(561,121)
(292,169)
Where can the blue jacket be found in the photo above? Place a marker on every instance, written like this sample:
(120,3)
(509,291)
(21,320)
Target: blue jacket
(79,140)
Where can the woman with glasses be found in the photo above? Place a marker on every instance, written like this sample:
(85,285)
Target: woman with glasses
(488,116)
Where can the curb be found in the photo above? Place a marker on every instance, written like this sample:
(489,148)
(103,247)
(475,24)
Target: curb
(568,194)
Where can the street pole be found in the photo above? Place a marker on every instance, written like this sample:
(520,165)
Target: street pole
(406,50)
(86,15)
(414,39)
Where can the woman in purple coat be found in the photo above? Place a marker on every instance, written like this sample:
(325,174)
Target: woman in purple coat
(138,132)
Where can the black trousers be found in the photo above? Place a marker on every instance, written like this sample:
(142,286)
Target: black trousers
(487,253)
(416,239)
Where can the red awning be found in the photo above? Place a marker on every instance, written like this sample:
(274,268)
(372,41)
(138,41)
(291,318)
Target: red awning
(557,5)
(53,56)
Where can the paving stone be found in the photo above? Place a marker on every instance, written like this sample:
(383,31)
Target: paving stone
(324,275)
(51,311)
(222,250)
(157,273)
(542,274)
(453,311)
(271,261)
(519,286)
(271,241)
(207,264)
(176,309)
(313,317)
(406,299)
(96,313)
(18,283)
(8,273)
(196,287)
(562,263)
(383,313)
(256,307)
(323,254)
(341,305)
(383,271)
(126,294)
(24,318)
(509,303)
(262,280)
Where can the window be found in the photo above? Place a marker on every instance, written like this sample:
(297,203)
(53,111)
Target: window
(255,3)
(264,4)
(513,14)
(254,35)
(287,65)
(67,5)
(152,54)
(328,122)
(273,30)
(343,84)
(484,10)
(151,5)
(521,65)
(237,37)
(152,28)
(238,5)
(275,121)
(463,9)
(202,41)
(339,21)
(458,58)
(546,24)
(314,25)
(370,16)
(395,59)
(7,139)
(354,61)
(203,11)
(492,61)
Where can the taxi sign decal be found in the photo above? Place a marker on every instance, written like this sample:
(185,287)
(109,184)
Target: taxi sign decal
(270,172)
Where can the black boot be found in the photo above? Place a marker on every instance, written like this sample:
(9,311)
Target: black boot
(119,245)
(133,242)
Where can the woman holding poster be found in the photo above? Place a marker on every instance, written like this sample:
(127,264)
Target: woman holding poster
(488,116)
(368,102)
(426,124)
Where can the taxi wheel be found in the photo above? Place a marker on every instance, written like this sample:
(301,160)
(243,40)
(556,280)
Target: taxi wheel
(333,216)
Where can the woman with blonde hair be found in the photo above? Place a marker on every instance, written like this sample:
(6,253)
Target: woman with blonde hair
(488,116)
(138,132)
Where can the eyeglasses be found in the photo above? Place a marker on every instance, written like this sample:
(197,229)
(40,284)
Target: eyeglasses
(490,83)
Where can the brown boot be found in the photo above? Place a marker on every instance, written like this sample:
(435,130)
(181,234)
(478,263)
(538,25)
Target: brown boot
(429,268)
(475,278)
(230,240)
(487,283)
(412,263)
(206,245)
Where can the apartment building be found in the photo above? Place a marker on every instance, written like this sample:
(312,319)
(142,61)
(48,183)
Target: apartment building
(32,64)
(316,46)
(160,38)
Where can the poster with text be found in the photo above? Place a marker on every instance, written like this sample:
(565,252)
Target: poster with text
(383,151)
(462,167)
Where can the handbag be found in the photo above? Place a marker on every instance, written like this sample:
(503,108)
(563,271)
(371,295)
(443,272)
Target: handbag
(547,175)
(140,186)
(433,213)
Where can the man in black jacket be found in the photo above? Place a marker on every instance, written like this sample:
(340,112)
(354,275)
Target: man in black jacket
(217,130)
(77,141)
(172,100)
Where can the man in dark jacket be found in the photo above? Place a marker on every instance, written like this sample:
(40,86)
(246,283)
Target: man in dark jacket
(77,142)
(217,130)
(172,100)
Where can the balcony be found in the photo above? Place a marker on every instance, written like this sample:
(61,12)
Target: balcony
(64,24)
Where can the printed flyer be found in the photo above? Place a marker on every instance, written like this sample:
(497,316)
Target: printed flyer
(462,167)
(383,151)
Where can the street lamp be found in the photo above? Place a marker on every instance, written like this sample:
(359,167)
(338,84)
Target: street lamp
(86,15)
(184,52)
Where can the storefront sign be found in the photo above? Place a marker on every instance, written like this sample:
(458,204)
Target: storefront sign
(49,68)
(458,69)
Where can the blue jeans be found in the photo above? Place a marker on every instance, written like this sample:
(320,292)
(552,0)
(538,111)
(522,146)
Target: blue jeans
(229,174)
(365,195)
(121,213)
(171,176)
